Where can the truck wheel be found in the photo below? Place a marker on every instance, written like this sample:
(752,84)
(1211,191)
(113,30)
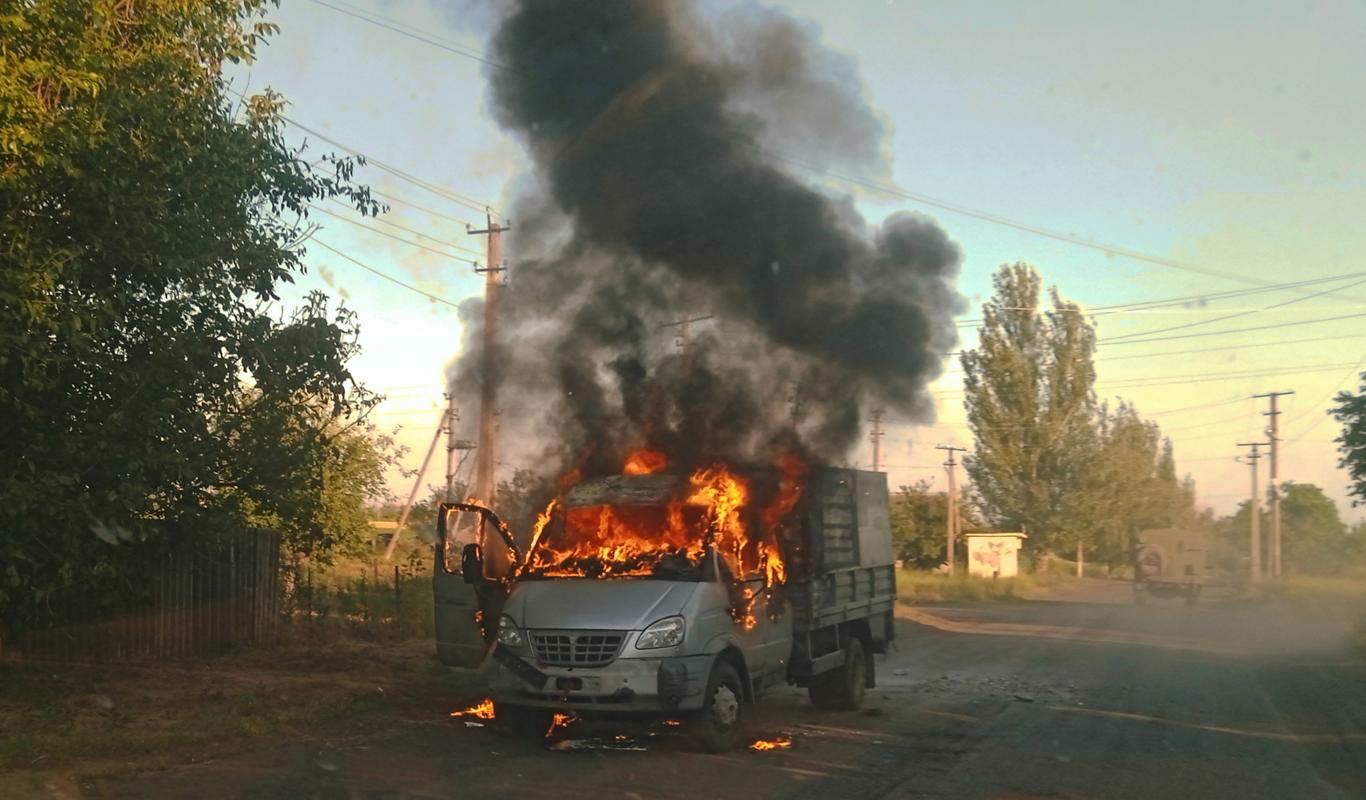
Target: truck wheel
(524,722)
(841,689)
(717,726)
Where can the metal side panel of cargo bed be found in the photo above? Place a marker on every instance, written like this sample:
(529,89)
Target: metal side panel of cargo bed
(843,595)
(853,575)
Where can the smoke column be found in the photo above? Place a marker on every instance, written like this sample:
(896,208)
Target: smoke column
(662,186)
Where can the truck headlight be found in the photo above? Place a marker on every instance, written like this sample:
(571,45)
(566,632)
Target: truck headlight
(508,635)
(665,633)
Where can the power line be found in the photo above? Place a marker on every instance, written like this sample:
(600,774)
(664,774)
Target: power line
(372,229)
(424,209)
(1235,347)
(406,30)
(434,188)
(405,229)
(1273,371)
(1023,226)
(1234,330)
(1148,305)
(917,197)
(1238,314)
(1105,359)
(386,277)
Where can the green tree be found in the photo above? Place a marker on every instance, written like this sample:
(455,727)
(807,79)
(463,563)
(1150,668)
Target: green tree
(1133,485)
(1351,412)
(1032,410)
(1314,539)
(149,218)
(919,518)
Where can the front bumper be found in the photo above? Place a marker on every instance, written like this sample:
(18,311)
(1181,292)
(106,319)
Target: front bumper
(674,683)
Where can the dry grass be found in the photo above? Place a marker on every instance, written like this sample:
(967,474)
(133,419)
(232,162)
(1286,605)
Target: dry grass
(54,715)
(915,586)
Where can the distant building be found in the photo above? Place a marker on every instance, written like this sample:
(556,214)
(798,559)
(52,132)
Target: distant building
(994,554)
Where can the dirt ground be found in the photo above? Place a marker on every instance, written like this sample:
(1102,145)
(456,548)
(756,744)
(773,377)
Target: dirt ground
(1079,695)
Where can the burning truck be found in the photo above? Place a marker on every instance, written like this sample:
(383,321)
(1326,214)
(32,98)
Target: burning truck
(672,594)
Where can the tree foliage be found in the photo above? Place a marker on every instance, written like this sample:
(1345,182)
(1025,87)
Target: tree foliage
(919,525)
(1031,408)
(1049,458)
(1133,486)
(1314,539)
(1350,410)
(919,519)
(149,391)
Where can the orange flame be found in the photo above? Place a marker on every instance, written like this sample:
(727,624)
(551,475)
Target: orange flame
(559,722)
(645,462)
(612,541)
(481,710)
(776,743)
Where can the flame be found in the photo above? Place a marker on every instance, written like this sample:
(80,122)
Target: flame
(644,462)
(559,722)
(672,723)
(776,743)
(625,541)
(709,510)
(481,710)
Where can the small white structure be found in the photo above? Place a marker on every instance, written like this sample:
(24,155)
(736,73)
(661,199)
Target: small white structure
(994,555)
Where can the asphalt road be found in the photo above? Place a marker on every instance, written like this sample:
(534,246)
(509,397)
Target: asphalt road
(1084,696)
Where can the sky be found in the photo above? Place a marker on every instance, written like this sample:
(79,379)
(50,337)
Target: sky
(1222,138)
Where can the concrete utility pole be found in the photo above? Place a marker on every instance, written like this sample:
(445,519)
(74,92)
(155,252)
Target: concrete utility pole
(794,402)
(875,436)
(452,417)
(417,485)
(683,338)
(1254,513)
(488,392)
(951,524)
(1272,432)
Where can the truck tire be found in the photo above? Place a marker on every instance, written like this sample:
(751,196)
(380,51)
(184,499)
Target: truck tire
(717,726)
(524,722)
(841,689)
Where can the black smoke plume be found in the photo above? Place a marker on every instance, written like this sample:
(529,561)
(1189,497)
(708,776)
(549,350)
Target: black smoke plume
(663,187)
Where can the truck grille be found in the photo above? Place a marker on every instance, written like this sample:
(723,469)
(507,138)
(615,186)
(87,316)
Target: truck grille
(576,648)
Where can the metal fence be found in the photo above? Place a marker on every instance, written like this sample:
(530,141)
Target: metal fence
(198,602)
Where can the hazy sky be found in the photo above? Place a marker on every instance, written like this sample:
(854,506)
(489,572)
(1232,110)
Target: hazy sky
(1227,137)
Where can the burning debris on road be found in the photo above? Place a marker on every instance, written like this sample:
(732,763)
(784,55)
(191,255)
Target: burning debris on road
(481,710)
(779,742)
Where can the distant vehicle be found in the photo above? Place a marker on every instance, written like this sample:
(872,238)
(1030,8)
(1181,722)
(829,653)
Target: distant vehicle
(680,637)
(1170,562)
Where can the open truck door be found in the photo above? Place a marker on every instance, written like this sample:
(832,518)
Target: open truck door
(475,559)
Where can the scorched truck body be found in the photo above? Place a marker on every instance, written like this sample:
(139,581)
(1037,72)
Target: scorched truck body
(691,640)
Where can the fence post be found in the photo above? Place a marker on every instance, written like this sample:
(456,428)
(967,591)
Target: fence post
(398,596)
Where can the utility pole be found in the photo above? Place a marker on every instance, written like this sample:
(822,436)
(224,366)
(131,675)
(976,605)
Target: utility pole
(452,416)
(683,338)
(488,391)
(952,521)
(794,401)
(417,486)
(1254,513)
(875,436)
(1273,433)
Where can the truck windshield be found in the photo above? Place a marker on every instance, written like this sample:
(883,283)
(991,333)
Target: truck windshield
(664,542)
